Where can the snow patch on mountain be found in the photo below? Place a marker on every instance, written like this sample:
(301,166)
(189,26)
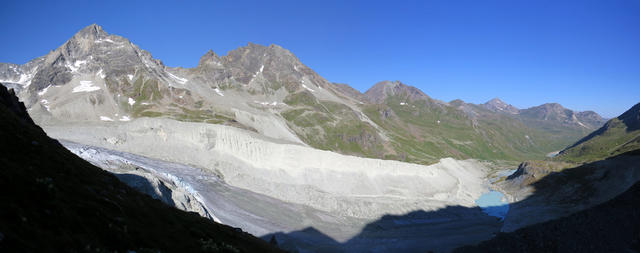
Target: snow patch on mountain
(76,65)
(85,86)
(45,103)
(105,118)
(178,79)
(219,92)
(100,74)
(309,89)
(43,91)
(104,40)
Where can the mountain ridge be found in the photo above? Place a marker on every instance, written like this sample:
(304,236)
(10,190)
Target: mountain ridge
(100,77)
(616,136)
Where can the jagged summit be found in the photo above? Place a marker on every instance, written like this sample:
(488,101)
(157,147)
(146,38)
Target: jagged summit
(381,90)
(93,30)
(209,58)
(497,105)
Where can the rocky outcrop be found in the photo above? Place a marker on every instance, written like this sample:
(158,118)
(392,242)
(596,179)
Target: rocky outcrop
(9,100)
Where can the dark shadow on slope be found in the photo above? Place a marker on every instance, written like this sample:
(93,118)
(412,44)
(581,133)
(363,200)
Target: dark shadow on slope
(631,118)
(418,231)
(613,226)
(556,195)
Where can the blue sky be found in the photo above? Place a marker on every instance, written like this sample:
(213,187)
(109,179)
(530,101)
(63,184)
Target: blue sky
(582,54)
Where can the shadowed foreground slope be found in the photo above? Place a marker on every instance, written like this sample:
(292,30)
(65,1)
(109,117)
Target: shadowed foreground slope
(613,226)
(51,200)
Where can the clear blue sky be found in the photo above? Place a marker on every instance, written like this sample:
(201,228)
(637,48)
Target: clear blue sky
(583,54)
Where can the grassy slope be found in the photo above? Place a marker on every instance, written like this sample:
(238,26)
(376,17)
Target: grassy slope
(416,136)
(331,126)
(615,139)
(617,136)
(492,136)
(52,201)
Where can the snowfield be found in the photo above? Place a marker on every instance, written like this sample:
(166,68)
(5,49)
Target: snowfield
(85,86)
(178,79)
(219,92)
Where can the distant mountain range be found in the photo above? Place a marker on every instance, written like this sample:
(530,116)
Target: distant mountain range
(96,77)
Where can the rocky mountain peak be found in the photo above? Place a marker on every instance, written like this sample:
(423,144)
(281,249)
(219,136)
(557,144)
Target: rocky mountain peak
(254,54)
(209,58)
(496,101)
(92,31)
(381,90)
(553,106)
(497,105)
(93,51)
(258,66)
